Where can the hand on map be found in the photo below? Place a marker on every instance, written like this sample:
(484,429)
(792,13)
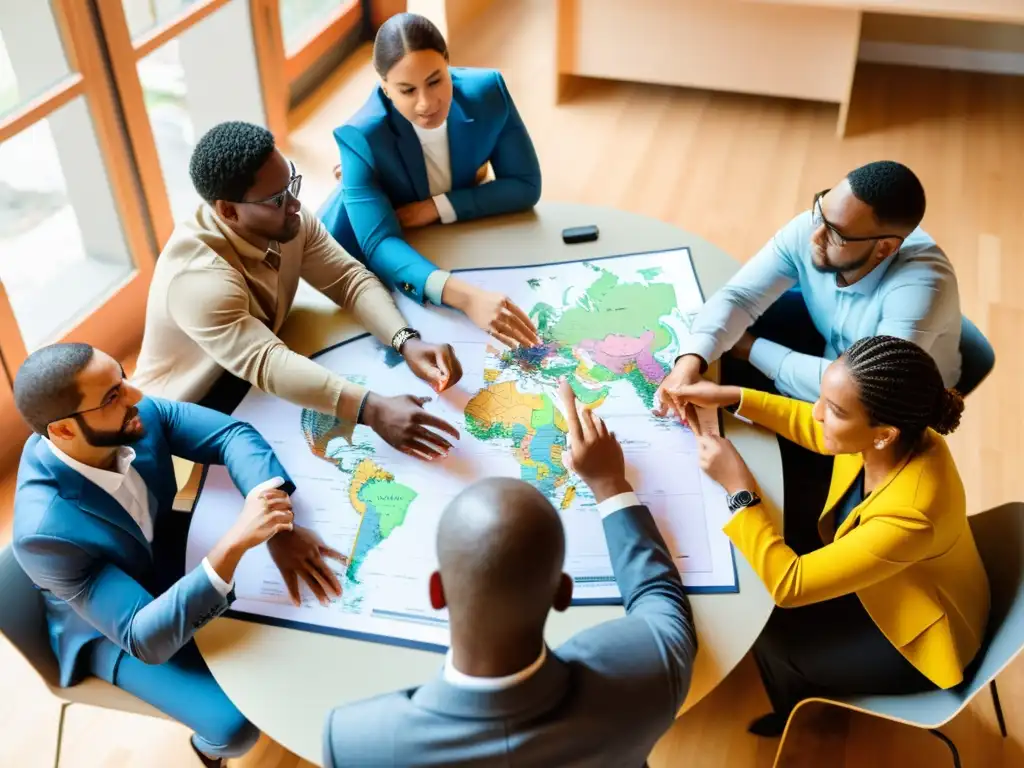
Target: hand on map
(436,364)
(418,214)
(703,394)
(266,511)
(722,463)
(596,455)
(492,312)
(300,553)
(404,425)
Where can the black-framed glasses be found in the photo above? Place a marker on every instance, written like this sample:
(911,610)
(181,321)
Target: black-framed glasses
(835,237)
(109,399)
(278,198)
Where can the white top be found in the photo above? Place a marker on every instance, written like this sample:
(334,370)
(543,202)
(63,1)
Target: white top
(436,157)
(128,488)
(462,680)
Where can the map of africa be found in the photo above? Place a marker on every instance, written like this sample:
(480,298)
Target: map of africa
(610,327)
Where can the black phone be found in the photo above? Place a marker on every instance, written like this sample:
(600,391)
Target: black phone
(580,234)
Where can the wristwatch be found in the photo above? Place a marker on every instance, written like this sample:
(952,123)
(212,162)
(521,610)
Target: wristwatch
(399,339)
(742,500)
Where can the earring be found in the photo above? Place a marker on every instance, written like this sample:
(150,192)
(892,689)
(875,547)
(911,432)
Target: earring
(879,444)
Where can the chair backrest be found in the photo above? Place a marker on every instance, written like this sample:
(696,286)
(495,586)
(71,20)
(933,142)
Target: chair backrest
(23,618)
(999,534)
(977,358)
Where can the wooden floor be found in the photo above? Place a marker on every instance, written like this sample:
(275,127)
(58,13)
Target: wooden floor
(732,169)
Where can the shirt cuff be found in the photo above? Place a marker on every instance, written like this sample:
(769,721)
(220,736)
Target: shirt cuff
(445,210)
(218,583)
(700,344)
(767,357)
(615,503)
(433,289)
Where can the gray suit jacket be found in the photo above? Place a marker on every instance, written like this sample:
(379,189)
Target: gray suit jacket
(601,699)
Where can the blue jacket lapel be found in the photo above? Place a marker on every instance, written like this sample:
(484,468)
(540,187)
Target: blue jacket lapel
(89,497)
(412,154)
(460,149)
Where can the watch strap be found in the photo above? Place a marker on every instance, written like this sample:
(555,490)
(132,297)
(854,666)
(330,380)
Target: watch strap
(402,336)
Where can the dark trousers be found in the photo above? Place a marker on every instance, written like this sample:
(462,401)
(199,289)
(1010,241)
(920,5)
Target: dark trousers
(832,648)
(805,475)
(226,393)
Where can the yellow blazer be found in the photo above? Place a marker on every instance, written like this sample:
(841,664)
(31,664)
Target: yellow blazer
(906,550)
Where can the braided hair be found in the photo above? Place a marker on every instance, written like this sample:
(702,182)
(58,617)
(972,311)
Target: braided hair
(900,386)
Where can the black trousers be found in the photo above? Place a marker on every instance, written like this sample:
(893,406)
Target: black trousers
(226,393)
(832,648)
(805,474)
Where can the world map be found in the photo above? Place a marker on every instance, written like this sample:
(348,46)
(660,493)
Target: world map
(615,332)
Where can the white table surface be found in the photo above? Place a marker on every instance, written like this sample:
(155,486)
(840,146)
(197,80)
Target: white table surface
(286,680)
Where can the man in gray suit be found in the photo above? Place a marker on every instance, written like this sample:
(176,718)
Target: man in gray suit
(503,698)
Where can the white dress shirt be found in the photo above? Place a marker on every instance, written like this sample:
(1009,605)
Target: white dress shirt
(128,488)
(462,680)
(436,157)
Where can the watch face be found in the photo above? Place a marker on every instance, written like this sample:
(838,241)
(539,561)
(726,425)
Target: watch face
(742,498)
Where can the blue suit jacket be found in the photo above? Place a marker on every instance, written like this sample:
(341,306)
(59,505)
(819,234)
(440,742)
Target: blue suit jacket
(99,575)
(382,168)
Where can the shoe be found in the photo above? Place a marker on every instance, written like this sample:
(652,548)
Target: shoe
(768,726)
(207,761)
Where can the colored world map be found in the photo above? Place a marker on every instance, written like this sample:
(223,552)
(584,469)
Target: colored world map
(613,333)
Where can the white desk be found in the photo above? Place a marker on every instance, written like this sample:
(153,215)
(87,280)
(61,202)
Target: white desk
(285,680)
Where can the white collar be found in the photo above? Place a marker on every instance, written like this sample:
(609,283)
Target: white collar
(110,480)
(462,680)
(431,134)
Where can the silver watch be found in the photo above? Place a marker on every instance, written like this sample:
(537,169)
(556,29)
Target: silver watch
(399,339)
(742,500)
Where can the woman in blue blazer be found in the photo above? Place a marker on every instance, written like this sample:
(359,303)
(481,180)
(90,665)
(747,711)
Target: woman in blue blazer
(416,153)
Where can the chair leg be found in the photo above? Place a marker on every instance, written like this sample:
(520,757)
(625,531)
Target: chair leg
(998,706)
(60,731)
(949,743)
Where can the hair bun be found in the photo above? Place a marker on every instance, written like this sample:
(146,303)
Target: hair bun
(948,411)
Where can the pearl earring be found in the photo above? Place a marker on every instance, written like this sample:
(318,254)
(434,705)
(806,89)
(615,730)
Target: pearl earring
(879,444)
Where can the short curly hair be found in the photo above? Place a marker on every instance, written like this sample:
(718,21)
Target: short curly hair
(226,159)
(892,190)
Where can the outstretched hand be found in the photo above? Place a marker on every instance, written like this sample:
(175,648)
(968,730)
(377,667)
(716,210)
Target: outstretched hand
(595,453)
(403,424)
(435,364)
(300,554)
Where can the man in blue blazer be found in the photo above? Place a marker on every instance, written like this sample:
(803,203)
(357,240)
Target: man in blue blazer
(502,697)
(95,530)
(416,153)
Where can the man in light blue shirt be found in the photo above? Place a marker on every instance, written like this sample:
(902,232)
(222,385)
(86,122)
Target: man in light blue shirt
(855,265)
(861,266)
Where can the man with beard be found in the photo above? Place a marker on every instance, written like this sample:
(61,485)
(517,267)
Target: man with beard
(225,283)
(95,530)
(856,264)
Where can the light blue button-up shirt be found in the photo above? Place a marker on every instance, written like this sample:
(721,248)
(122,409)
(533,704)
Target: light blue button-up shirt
(912,295)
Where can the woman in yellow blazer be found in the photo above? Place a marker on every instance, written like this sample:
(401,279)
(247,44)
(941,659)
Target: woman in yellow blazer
(895,600)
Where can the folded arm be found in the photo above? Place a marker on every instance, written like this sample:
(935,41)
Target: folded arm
(374,220)
(214,311)
(205,436)
(517,180)
(341,278)
(150,629)
(873,551)
(730,311)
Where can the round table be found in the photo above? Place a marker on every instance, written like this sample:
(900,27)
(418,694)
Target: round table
(285,680)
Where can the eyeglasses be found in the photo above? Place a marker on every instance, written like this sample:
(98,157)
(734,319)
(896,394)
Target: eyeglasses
(835,237)
(109,399)
(277,200)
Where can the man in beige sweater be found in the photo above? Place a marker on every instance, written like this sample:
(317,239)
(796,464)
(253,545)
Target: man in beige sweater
(225,282)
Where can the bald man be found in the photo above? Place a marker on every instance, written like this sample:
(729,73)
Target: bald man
(503,698)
